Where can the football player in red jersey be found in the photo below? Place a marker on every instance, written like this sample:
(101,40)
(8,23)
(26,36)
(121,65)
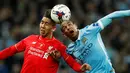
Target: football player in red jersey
(38,48)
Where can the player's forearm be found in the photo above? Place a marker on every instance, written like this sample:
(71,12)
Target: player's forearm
(7,52)
(71,61)
(117,14)
(73,64)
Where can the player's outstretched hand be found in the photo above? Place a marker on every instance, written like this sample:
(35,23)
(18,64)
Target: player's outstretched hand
(85,67)
(56,55)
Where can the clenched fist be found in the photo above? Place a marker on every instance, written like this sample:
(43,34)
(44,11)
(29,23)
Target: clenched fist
(85,67)
(55,54)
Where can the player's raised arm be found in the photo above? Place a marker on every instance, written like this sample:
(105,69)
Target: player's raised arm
(114,15)
(7,52)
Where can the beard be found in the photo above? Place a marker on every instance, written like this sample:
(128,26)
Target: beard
(45,34)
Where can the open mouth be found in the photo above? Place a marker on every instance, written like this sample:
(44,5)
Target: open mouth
(43,31)
(71,31)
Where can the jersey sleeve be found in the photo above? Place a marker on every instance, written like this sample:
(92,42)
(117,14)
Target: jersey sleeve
(18,47)
(70,60)
(103,22)
(114,15)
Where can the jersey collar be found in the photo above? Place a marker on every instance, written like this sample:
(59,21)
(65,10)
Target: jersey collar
(42,38)
(79,35)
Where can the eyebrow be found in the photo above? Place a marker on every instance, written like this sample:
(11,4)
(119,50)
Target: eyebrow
(44,21)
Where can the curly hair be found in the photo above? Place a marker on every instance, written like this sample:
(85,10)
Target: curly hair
(48,15)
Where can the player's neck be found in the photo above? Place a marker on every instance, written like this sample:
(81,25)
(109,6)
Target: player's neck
(50,36)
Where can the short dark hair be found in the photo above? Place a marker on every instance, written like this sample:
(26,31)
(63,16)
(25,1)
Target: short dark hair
(48,14)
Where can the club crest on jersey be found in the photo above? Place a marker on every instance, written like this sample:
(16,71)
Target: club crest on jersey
(33,42)
(84,39)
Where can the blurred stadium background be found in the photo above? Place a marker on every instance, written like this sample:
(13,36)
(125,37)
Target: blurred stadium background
(20,18)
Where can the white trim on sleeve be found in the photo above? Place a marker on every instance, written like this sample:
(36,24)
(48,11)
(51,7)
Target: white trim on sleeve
(16,47)
(100,24)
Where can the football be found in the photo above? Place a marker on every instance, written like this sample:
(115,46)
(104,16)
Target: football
(60,12)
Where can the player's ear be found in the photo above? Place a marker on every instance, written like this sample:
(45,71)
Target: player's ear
(75,25)
(54,28)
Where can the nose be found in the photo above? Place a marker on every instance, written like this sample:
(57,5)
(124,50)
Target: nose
(67,29)
(42,25)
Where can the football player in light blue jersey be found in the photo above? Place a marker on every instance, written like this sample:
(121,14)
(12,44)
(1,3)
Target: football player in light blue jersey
(87,45)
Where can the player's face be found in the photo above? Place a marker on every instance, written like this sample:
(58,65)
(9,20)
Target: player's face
(69,29)
(46,27)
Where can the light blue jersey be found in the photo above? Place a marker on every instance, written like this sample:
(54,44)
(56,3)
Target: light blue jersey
(89,47)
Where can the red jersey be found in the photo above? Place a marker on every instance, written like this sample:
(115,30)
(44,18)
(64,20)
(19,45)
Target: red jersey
(36,54)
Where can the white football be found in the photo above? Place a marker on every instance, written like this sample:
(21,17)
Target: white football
(60,13)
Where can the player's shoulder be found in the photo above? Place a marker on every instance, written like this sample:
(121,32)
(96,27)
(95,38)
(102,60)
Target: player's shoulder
(32,36)
(85,27)
(91,26)
(59,43)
